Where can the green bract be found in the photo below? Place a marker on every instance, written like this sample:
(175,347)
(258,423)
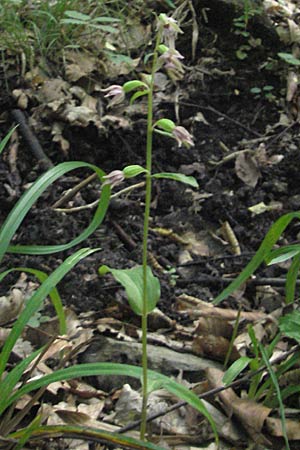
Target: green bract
(165,124)
(134,84)
(133,171)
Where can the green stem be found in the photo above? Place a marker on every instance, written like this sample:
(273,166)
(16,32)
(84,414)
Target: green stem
(145,240)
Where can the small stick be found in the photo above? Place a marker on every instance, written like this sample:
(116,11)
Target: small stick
(72,192)
(95,203)
(31,139)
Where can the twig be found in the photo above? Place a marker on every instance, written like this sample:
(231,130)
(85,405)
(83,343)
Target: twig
(210,393)
(72,192)
(218,113)
(31,139)
(95,203)
(212,280)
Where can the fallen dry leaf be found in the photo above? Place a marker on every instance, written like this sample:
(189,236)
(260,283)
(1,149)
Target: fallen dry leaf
(246,168)
(274,427)
(214,347)
(11,305)
(252,415)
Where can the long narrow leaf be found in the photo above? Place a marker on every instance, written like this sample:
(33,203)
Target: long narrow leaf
(34,425)
(54,295)
(6,139)
(87,433)
(270,239)
(12,378)
(94,369)
(278,392)
(36,300)
(22,207)
(291,279)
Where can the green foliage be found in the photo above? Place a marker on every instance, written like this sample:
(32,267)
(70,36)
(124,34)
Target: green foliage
(132,281)
(43,30)
(22,207)
(290,325)
(191,181)
(289,58)
(265,91)
(240,28)
(6,139)
(265,254)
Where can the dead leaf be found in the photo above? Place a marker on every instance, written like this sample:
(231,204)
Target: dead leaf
(214,347)
(274,427)
(251,414)
(215,326)
(261,207)
(246,168)
(11,305)
(292,86)
(195,307)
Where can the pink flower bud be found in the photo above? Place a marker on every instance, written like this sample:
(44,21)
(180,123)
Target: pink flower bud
(182,136)
(113,178)
(116,92)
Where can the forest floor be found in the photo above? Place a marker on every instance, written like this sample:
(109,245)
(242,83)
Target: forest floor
(246,160)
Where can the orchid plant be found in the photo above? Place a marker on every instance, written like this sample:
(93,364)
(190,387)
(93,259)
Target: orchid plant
(142,287)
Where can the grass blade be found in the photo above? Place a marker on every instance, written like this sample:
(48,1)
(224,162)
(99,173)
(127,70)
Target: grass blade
(36,300)
(270,239)
(278,392)
(86,433)
(54,295)
(22,207)
(94,369)
(6,139)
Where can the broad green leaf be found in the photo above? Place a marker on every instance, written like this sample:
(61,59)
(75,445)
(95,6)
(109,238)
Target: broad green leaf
(54,295)
(133,171)
(106,28)
(6,139)
(73,22)
(289,325)
(289,58)
(291,280)
(95,369)
(78,15)
(255,90)
(262,253)
(132,280)
(36,300)
(105,19)
(22,207)
(47,432)
(282,254)
(235,369)
(191,181)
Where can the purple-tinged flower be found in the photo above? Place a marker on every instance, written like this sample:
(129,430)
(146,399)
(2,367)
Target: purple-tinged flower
(113,178)
(170,60)
(116,92)
(182,136)
(169,28)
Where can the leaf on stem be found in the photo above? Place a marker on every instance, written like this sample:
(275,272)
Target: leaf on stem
(191,181)
(132,281)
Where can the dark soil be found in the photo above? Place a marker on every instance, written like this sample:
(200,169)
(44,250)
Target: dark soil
(235,118)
